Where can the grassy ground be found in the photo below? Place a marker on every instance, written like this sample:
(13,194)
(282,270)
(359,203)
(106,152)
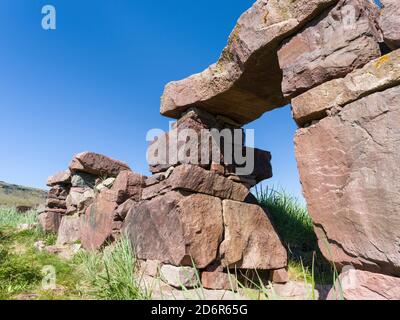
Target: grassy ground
(111,274)
(21,264)
(107,275)
(295,227)
(10,218)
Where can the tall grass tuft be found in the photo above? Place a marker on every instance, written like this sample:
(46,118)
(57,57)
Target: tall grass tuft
(17,273)
(10,217)
(295,226)
(291,218)
(112,273)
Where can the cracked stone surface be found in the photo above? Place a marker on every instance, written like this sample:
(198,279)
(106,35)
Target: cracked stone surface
(377,75)
(97,164)
(342,39)
(363,285)
(250,241)
(390,22)
(349,169)
(96,225)
(246,80)
(176,229)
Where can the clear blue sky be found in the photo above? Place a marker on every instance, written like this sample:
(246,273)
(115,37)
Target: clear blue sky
(95,82)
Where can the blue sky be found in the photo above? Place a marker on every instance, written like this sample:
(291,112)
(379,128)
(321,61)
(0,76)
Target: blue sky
(95,82)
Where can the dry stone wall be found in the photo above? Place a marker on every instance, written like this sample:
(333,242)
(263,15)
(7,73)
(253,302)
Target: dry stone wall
(203,214)
(347,152)
(74,191)
(330,60)
(246,80)
(182,218)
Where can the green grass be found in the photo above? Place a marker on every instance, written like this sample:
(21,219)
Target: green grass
(16,274)
(11,218)
(295,227)
(108,275)
(112,274)
(21,266)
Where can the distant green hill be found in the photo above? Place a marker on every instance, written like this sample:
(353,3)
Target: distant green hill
(12,195)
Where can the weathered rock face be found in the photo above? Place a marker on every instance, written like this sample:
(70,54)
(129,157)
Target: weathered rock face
(56,207)
(155,230)
(390,22)
(245,82)
(218,280)
(97,164)
(176,230)
(104,184)
(279,276)
(262,165)
(128,185)
(86,199)
(58,192)
(50,221)
(56,203)
(201,218)
(123,209)
(56,198)
(363,285)
(183,143)
(162,291)
(250,240)
(150,268)
(329,97)
(60,178)
(69,231)
(156,190)
(293,291)
(196,139)
(195,179)
(348,166)
(343,39)
(211,142)
(83,180)
(179,277)
(79,199)
(97,223)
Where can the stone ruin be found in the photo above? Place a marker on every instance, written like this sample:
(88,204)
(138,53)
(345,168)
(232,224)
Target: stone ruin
(180,217)
(337,62)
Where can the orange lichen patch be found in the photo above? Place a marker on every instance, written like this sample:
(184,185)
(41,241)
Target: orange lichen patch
(382,60)
(265,18)
(234,35)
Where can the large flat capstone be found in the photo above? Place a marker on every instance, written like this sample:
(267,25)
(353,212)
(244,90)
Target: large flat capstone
(246,80)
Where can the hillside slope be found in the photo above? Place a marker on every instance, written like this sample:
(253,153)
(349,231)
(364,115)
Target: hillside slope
(15,195)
